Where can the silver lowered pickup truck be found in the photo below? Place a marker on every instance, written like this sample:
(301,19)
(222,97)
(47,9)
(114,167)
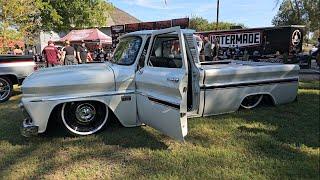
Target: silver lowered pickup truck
(155,78)
(13,70)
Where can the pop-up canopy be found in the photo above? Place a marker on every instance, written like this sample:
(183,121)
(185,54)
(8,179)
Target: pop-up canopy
(87,35)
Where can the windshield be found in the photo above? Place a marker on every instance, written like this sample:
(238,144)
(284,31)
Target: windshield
(127,50)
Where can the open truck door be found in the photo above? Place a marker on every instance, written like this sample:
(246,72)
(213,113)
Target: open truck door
(162,84)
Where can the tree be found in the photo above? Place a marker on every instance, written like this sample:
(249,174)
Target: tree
(312,9)
(76,14)
(201,24)
(18,18)
(29,17)
(304,12)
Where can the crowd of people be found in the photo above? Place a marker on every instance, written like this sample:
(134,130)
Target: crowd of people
(17,50)
(213,51)
(81,54)
(72,54)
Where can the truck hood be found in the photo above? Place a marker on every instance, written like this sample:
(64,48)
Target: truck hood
(66,80)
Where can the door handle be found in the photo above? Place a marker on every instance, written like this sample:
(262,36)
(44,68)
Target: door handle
(173,79)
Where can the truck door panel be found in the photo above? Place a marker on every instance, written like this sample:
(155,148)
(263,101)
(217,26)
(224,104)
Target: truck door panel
(162,88)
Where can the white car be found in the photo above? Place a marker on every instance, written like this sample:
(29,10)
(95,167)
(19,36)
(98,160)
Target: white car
(155,79)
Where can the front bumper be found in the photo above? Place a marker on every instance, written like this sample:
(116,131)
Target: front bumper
(28,129)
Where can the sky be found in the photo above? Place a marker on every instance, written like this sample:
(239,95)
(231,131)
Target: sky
(251,13)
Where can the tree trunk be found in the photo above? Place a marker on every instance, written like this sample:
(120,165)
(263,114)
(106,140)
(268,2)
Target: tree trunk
(298,9)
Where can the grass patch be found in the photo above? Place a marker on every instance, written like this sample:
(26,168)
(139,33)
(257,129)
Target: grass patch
(266,143)
(309,85)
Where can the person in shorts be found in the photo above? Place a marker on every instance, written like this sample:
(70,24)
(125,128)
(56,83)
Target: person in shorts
(69,54)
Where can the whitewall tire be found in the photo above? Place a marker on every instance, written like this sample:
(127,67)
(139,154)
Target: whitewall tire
(85,117)
(6,89)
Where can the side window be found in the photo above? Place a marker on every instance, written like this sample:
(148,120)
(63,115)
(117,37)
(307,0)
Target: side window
(165,53)
(127,50)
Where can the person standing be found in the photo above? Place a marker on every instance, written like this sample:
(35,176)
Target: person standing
(207,49)
(51,55)
(10,51)
(17,50)
(83,54)
(69,54)
(99,54)
(216,49)
(246,55)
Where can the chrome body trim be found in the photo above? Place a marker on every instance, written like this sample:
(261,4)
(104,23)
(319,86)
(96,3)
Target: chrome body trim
(82,97)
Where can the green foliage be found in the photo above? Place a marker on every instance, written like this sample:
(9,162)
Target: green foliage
(201,24)
(18,17)
(76,14)
(302,12)
(30,17)
(312,9)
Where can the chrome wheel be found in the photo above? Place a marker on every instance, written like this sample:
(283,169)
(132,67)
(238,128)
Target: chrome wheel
(251,101)
(5,89)
(85,113)
(84,118)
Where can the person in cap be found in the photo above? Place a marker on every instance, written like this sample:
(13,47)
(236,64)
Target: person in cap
(51,55)
(82,53)
(70,54)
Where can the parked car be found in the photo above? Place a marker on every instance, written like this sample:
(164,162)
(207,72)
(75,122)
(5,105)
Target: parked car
(13,70)
(155,78)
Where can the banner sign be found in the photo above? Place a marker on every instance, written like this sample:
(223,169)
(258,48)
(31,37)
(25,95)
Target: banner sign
(163,24)
(119,30)
(183,23)
(147,25)
(241,39)
(116,31)
(131,27)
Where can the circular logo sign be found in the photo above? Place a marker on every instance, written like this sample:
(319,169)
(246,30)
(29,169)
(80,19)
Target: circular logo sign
(296,37)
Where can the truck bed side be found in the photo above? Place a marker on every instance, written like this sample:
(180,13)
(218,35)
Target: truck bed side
(227,83)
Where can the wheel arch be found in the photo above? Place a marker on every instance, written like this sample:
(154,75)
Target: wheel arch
(12,77)
(267,97)
(55,112)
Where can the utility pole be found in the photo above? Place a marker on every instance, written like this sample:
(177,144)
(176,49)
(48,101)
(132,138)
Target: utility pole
(218,4)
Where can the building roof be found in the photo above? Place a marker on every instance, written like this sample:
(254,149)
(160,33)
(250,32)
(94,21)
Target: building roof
(119,16)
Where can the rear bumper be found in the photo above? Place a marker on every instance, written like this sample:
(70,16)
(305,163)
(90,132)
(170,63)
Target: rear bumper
(28,129)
